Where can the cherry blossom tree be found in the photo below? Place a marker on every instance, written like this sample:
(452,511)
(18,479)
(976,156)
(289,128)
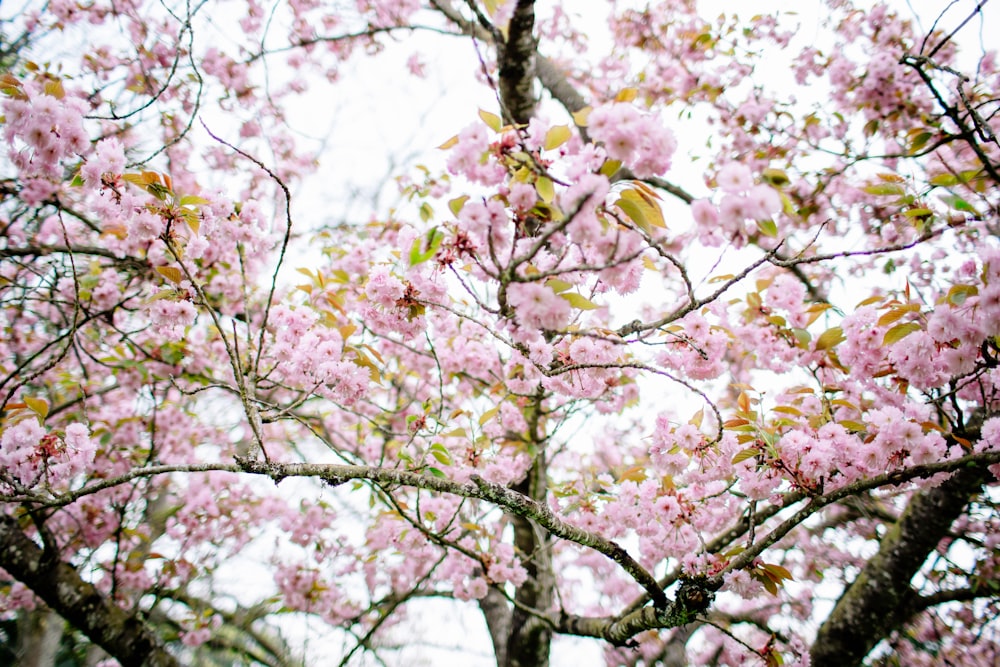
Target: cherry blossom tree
(658,351)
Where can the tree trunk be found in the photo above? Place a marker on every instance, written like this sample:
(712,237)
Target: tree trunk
(529,640)
(878,600)
(38,635)
(122,634)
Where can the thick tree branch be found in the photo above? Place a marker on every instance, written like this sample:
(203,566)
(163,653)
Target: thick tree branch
(512,501)
(94,251)
(517,65)
(691,595)
(558,85)
(529,639)
(880,597)
(122,634)
(498,613)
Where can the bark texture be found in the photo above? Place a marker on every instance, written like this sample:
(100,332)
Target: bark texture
(880,598)
(120,633)
(529,639)
(517,65)
(38,638)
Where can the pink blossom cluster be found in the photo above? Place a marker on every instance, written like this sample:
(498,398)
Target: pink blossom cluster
(584,198)
(216,510)
(200,629)
(171,315)
(487,226)
(698,349)
(32,455)
(466,157)
(597,376)
(106,160)
(637,140)
(537,306)
(309,356)
(44,131)
(304,588)
(392,305)
(743,204)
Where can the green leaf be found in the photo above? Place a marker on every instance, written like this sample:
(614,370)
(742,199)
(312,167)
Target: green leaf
(768,228)
(959,293)
(579,301)
(558,286)
(54,88)
(853,426)
(441,453)
(39,406)
(885,189)
(627,95)
(580,117)
(959,204)
(919,141)
(944,180)
(768,584)
(802,336)
(421,252)
(492,120)
(489,414)
(634,212)
(192,219)
(171,273)
(426,212)
(557,136)
(777,572)
(899,332)
(610,168)
(775,177)
(545,189)
(746,454)
(641,209)
(644,198)
(896,312)
(437,472)
(455,205)
(830,338)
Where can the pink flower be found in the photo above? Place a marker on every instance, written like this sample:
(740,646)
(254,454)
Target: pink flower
(383,288)
(764,202)
(17,448)
(108,158)
(734,209)
(522,196)
(416,66)
(705,213)
(145,226)
(169,317)
(537,306)
(637,140)
(734,177)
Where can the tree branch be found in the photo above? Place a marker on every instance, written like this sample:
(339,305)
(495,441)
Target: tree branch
(693,596)
(122,634)
(880,598)
(517,65)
